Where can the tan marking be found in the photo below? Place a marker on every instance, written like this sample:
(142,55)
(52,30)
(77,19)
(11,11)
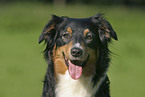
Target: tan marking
(69,30)
(48,29)
(85,54)
(58,58)
(107,30)
(45,36)
(86,32)
(107,34)
(90,68)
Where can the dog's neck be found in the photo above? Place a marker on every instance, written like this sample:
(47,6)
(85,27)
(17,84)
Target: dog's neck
(83,87)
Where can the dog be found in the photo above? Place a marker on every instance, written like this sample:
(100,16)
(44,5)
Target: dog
(78,56)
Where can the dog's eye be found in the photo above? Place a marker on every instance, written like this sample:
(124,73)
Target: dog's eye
(89,37)
(66,35)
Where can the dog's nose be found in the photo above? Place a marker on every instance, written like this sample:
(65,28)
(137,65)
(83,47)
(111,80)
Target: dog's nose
(76,52)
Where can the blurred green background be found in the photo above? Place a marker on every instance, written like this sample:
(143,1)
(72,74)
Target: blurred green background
(22,66)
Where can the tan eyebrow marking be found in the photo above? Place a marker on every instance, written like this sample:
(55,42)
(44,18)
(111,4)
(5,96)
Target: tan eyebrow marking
(69,30)
(86,32)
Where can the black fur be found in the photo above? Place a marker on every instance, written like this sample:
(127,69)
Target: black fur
(104,32)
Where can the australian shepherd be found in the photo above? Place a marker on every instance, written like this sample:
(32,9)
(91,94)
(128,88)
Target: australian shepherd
(78,56)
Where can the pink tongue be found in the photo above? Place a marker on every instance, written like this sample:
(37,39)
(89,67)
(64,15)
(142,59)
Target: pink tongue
(75,71)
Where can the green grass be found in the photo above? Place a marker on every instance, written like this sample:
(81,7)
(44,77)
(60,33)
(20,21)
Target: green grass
(22,66)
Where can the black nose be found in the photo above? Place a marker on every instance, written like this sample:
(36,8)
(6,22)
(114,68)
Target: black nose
(76,52)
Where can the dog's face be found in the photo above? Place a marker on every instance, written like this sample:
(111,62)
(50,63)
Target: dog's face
(74,43)
(77,45)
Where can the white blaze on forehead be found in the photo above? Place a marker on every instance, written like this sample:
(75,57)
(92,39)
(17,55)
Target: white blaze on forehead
(78,45)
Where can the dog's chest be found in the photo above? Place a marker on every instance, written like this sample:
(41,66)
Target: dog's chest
(68,87)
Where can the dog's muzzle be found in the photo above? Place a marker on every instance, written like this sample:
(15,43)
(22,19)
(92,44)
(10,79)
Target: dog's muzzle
(75,66)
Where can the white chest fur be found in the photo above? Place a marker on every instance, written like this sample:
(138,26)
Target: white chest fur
(83,87)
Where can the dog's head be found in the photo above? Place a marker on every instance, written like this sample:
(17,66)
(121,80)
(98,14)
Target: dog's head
(75,44)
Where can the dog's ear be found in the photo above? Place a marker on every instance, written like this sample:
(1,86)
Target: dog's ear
(49,30)
(105,29)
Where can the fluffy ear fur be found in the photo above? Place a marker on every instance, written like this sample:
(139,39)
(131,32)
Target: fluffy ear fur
(105,29)
(49,35)
(49,30)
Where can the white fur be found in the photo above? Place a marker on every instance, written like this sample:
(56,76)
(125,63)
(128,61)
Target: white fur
(78,45)
(83,87)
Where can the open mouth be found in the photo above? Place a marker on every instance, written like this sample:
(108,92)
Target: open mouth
(75,67)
